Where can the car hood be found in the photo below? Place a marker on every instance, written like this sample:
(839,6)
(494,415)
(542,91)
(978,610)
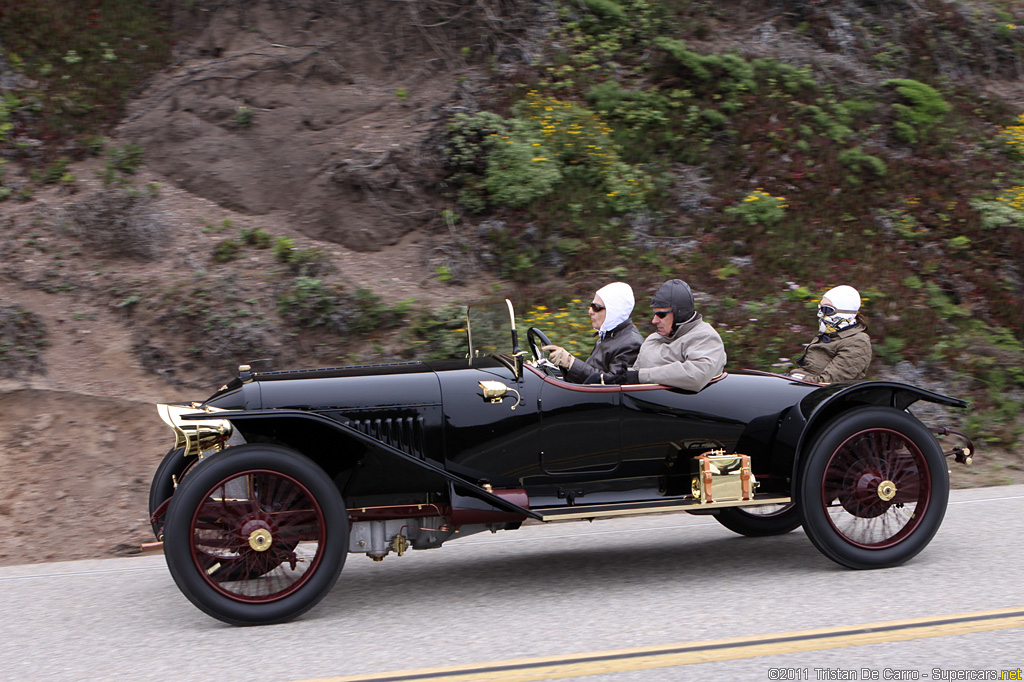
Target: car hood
(406,384)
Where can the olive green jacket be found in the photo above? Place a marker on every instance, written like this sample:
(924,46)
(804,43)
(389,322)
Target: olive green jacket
(842,356)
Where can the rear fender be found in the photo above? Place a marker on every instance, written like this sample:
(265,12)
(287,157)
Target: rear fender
(364,459)
(822,406)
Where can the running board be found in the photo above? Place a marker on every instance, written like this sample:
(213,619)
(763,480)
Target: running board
(596,511)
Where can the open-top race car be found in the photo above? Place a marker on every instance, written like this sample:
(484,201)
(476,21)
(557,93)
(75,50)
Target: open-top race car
(277,476)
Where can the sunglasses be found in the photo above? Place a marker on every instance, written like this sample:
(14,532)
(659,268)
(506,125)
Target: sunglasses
(826,310)
(662,314)
(596,307)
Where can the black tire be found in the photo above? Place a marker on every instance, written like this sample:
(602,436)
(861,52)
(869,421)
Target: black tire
(256,535)
(760,521)
(172,468)
(873,488)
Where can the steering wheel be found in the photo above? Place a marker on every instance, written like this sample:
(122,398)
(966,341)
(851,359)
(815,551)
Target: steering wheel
(536,338)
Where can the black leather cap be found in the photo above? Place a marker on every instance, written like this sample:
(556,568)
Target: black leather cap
(675,294)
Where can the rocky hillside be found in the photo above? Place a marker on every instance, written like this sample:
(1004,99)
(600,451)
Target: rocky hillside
(320,181)
(186,186)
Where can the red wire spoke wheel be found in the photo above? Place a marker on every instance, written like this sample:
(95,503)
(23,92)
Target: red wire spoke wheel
(257,534)
(873,488)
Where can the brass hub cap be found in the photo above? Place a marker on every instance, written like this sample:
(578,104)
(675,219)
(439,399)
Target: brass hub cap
(260,539)
(886,490)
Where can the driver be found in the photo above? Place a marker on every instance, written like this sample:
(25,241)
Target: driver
(619,339)
(684,352)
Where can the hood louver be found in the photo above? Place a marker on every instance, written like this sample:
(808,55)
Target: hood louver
(403,433)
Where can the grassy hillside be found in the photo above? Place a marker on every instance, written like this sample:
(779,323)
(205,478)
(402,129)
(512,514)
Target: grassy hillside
(766,152)
(763,151)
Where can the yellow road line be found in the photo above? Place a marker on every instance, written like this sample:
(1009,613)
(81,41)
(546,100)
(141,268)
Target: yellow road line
(643,658)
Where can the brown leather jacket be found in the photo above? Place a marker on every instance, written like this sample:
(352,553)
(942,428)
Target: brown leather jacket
(842,356)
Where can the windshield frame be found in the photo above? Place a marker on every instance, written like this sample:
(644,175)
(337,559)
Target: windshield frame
(491,332)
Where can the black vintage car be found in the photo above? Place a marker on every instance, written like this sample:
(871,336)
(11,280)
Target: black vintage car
(279,475)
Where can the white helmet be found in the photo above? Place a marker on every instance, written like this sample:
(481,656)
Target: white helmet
(842,313)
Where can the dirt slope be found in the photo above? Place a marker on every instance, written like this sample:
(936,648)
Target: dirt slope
(316,121)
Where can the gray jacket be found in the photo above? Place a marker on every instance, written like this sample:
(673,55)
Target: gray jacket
(689,359)
(612,354)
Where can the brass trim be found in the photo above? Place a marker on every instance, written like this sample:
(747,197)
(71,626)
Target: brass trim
(399,544)
(554,514)
(886,490)
(196,437)
(495,391)
(260,539)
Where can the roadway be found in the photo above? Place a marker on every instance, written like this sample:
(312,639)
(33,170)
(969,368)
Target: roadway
(688,597)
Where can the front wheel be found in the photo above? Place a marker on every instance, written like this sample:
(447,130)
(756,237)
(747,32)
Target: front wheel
(760,521)
(268,509)
(873,489)
(167,476)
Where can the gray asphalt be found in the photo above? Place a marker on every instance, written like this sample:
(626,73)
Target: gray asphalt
(539,591)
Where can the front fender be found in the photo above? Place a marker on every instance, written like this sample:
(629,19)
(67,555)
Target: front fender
(376,458)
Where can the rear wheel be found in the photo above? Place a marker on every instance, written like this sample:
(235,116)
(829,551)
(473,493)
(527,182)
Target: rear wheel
(256,535)
(874,488)
(762,520)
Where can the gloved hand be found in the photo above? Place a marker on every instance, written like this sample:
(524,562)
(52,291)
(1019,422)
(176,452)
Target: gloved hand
(559,356)
(625,376)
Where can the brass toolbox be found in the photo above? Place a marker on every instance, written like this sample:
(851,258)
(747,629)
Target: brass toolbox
(718,477)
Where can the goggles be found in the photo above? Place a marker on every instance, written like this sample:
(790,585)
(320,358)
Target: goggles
(829,311)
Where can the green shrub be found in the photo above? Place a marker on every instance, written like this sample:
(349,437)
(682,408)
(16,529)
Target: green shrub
(759,208)
(437,334)
(860,163)
(257,237)
(724,72)
(283,247)
(520,170)
(243,116)
(310,303)
(371,313)
(226,251)
(925,108)
(526,157)
(609,10)
(126,159)
(1006,210)
(470,137)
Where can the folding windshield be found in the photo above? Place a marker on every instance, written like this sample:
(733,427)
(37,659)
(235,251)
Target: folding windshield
(492,329)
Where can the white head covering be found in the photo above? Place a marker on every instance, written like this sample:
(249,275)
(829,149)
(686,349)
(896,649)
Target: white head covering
(846,301)
(618,303)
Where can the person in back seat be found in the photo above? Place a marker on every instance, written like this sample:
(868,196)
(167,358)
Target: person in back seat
(619,339)
(841,351)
